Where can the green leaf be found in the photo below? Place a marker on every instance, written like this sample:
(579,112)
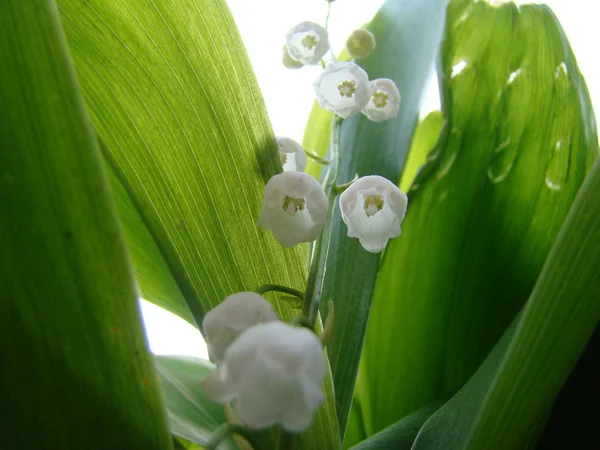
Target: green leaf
(175,103)
(375,148)
(316,137)
(448,428)
(557,322)
(518,138)
(154,279)
(401,435)
(426,135)
(75,368)
(192,415)
(173,98)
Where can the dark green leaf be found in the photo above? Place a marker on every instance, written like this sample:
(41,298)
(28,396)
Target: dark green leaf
(557,322)
(518,138)
(75,369)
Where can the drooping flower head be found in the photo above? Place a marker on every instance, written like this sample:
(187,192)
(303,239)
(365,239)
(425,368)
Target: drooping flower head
(294,208)
(274,372)
(343,88)
(224,323)
(373,209)
(384,102)
(307,42)
(292,155)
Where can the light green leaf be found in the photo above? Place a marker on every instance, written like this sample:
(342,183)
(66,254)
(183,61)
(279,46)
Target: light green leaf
(484,211)
(192,415)
(174,100)
(155,280)
(426,135)
(375,148)
(316,137)
(75,368)
(557,322)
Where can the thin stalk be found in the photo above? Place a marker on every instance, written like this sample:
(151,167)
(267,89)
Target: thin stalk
(226,430)
(279,288)
(328,14)
(314,288)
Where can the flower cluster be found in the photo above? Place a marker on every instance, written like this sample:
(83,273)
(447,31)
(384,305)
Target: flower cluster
(271,372)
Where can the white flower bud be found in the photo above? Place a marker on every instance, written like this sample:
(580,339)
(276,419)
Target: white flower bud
(294,208)
(292,155)
(224,323)
(307,42)
(275,374)
(361,43)
(343,88)
(384,102)
(373,209)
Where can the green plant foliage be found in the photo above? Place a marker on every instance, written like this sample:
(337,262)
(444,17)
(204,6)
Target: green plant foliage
(174,101)
(373,148)
(192,415)
(76,373)
(484,211)
(400,435)
(552,333)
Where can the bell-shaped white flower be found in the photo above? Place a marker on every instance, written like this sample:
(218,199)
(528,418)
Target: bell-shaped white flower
(294,208)
(307,42)
(292,155)
(274,372)
(224,323)
(373,209)
(343,88)
(384,102)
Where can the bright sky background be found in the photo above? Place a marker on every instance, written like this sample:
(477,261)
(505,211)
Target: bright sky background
(289,94)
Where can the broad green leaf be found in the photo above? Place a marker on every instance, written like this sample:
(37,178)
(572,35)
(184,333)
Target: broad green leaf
(76,372)
(518,138)
(192,415)
(355,428)
(448,428)
(426,135)
(557,322)
(375,148)
(154,279)
(401,435)
(174,100)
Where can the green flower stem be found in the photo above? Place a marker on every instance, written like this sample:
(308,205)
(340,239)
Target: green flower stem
(316,158)
(314,288)
(279,288)
(226,430)
(286,441)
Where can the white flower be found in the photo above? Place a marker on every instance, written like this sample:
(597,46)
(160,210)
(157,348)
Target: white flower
(307,42)
(274,372)
(373,209)
(343,88)
(294,208)
(292,155)
(223,324)
(384,102)
(361,43)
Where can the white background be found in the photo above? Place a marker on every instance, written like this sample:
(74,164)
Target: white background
(289,95)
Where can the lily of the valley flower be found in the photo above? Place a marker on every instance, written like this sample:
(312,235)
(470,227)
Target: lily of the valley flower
(343,88)
(224,323)
(384,101)
(274,372)
(361,43)
(307,42)
(292,155)
(373,209)
(294,208)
